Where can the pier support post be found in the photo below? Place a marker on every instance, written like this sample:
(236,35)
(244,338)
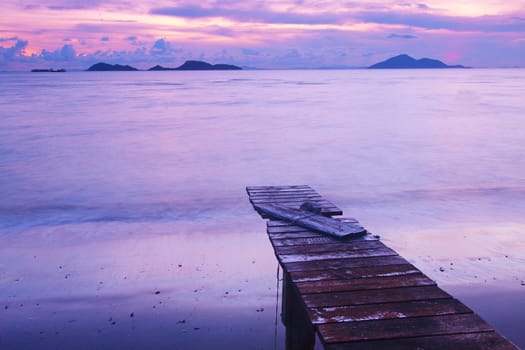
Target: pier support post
(300,334)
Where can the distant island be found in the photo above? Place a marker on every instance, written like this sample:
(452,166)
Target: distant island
(105,67)
(62,70)
(405,61)
(188,65)
(199,65)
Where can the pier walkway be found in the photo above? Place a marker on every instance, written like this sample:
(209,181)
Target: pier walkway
(356,293)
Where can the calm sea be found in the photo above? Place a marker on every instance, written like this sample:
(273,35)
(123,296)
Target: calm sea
(116,185)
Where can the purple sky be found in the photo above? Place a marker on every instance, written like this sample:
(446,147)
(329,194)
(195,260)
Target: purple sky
(74,34)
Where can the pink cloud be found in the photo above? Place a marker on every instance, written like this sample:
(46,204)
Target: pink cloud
(266,34)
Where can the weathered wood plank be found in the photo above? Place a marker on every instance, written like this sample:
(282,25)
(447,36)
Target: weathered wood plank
(282,191)
(335,255)
(330,286)
(377,296)
(276,187)
(402,328)
(279,193)
(292,196)
(299,234)
(325,248)
(326,208)
(293,203)
(311,220)
(324,211)
(294,199)
(288,228)
(352,273)
(308,240)
(351,263)
(273,223)
(369,312)
(292,228)
(470,341)
(290,242)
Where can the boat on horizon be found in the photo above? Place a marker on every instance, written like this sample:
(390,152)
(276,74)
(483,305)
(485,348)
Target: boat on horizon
(51,70)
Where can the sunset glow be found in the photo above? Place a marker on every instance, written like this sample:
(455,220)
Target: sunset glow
(75,34)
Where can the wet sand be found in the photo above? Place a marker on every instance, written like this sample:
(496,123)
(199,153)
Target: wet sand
(210,285)
(195,290)
(483,266)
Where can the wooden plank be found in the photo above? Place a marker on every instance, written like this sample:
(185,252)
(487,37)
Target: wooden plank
(308,240)
(293,203)
(351,263)
(325,248)
(335,255)
(369,312)
(377,296)
(330,286)
(402,328)
(294,199)
(356,272)
(282,191)
(276,187)
(325,206)
(299,234)
(313,221)
(291,242)
(288,228)
(470,341)
(293,196)
(297,195)
(326,211)
(274,223)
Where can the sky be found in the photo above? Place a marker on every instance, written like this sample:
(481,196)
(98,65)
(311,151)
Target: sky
(74,34)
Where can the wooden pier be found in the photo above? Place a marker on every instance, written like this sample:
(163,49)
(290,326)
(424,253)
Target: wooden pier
(357,293)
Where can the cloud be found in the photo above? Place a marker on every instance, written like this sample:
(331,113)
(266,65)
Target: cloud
(66,53)
(60,5)
(13,38)
(265,34)
(250,52)
(250,15)
(493,23)
(14,51)
(134,40)
(418,15)
(161,48)
(401,36)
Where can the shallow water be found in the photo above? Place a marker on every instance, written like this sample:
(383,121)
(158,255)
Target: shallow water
(110,181)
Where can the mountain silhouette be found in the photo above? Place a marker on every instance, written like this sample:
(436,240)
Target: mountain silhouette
(105,67)
(405,61)
(197,65)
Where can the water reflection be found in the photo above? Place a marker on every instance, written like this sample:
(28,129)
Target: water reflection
(138,174)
